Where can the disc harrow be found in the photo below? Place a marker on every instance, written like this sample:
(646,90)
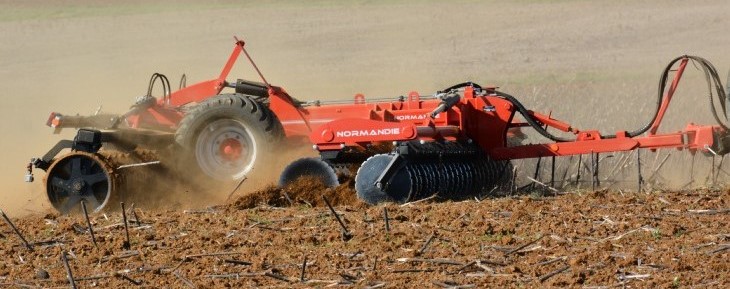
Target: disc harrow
(454,143)
(419,171)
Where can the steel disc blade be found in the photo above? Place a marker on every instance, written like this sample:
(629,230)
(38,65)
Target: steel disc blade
(309,167)
(491,179)
(398,189)
(461,176)
(446,177)
(417,180)
(482,177)
(432,179)
(470,176)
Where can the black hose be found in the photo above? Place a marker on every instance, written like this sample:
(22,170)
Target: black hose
(727,92)
(711,76)
(518,105)
(660,98)
(166,87)
(183,81)
(520,108)
(529,119)
(460,85)
(713,79)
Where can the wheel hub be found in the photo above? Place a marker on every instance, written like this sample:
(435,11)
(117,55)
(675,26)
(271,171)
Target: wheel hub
(231,149)
(77,185)
(225,149)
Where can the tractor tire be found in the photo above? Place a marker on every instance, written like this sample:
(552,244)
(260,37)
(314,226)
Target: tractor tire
(224,136)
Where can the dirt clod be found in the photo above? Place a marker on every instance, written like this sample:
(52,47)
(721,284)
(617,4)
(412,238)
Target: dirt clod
(42,274)
(304,191)
(275,238)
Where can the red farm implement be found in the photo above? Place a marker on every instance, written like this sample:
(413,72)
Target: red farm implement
(456,142)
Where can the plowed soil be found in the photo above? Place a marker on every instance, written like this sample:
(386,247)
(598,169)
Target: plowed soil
(305,191)
(584,239)
(593,64)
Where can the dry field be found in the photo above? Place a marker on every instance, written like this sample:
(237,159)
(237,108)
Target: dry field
(580,239)
(592,63)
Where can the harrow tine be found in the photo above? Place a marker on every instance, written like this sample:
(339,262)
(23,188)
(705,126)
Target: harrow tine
(565,173)
(577,174)
(552,172)
(712,171)
(638,166)
(719,168)
(593,172)
(659,167)
(513,185)
(620,163)
(691,173)
(537,173)
(596,169)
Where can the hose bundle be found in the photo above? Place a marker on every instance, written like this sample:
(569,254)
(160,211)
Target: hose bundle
(166,90)
(714,87)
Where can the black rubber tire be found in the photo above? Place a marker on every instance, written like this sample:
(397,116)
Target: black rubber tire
(256,118)
(60,179)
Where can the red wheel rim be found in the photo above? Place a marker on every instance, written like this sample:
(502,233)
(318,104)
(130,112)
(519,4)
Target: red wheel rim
(231,149)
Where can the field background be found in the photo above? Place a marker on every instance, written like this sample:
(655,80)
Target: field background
(594,63)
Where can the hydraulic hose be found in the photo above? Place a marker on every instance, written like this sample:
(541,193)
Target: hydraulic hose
(461,85)
(529,119)
(713,79)
(166,88)
(714,87)
(520,108)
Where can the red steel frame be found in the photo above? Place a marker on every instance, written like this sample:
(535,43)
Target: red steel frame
(481,117)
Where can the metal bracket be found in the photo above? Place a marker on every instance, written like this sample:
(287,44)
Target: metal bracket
(48,157)
(85,140)
(721,145)
(383,180)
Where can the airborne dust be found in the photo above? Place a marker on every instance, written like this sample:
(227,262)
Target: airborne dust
(595,66)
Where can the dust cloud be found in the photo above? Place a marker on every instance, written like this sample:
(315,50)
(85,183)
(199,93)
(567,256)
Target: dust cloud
(595,65)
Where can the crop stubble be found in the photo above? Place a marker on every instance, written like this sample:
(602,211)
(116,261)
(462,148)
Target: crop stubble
(591,240)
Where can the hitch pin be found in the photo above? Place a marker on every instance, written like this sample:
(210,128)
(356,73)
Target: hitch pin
(707,147)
